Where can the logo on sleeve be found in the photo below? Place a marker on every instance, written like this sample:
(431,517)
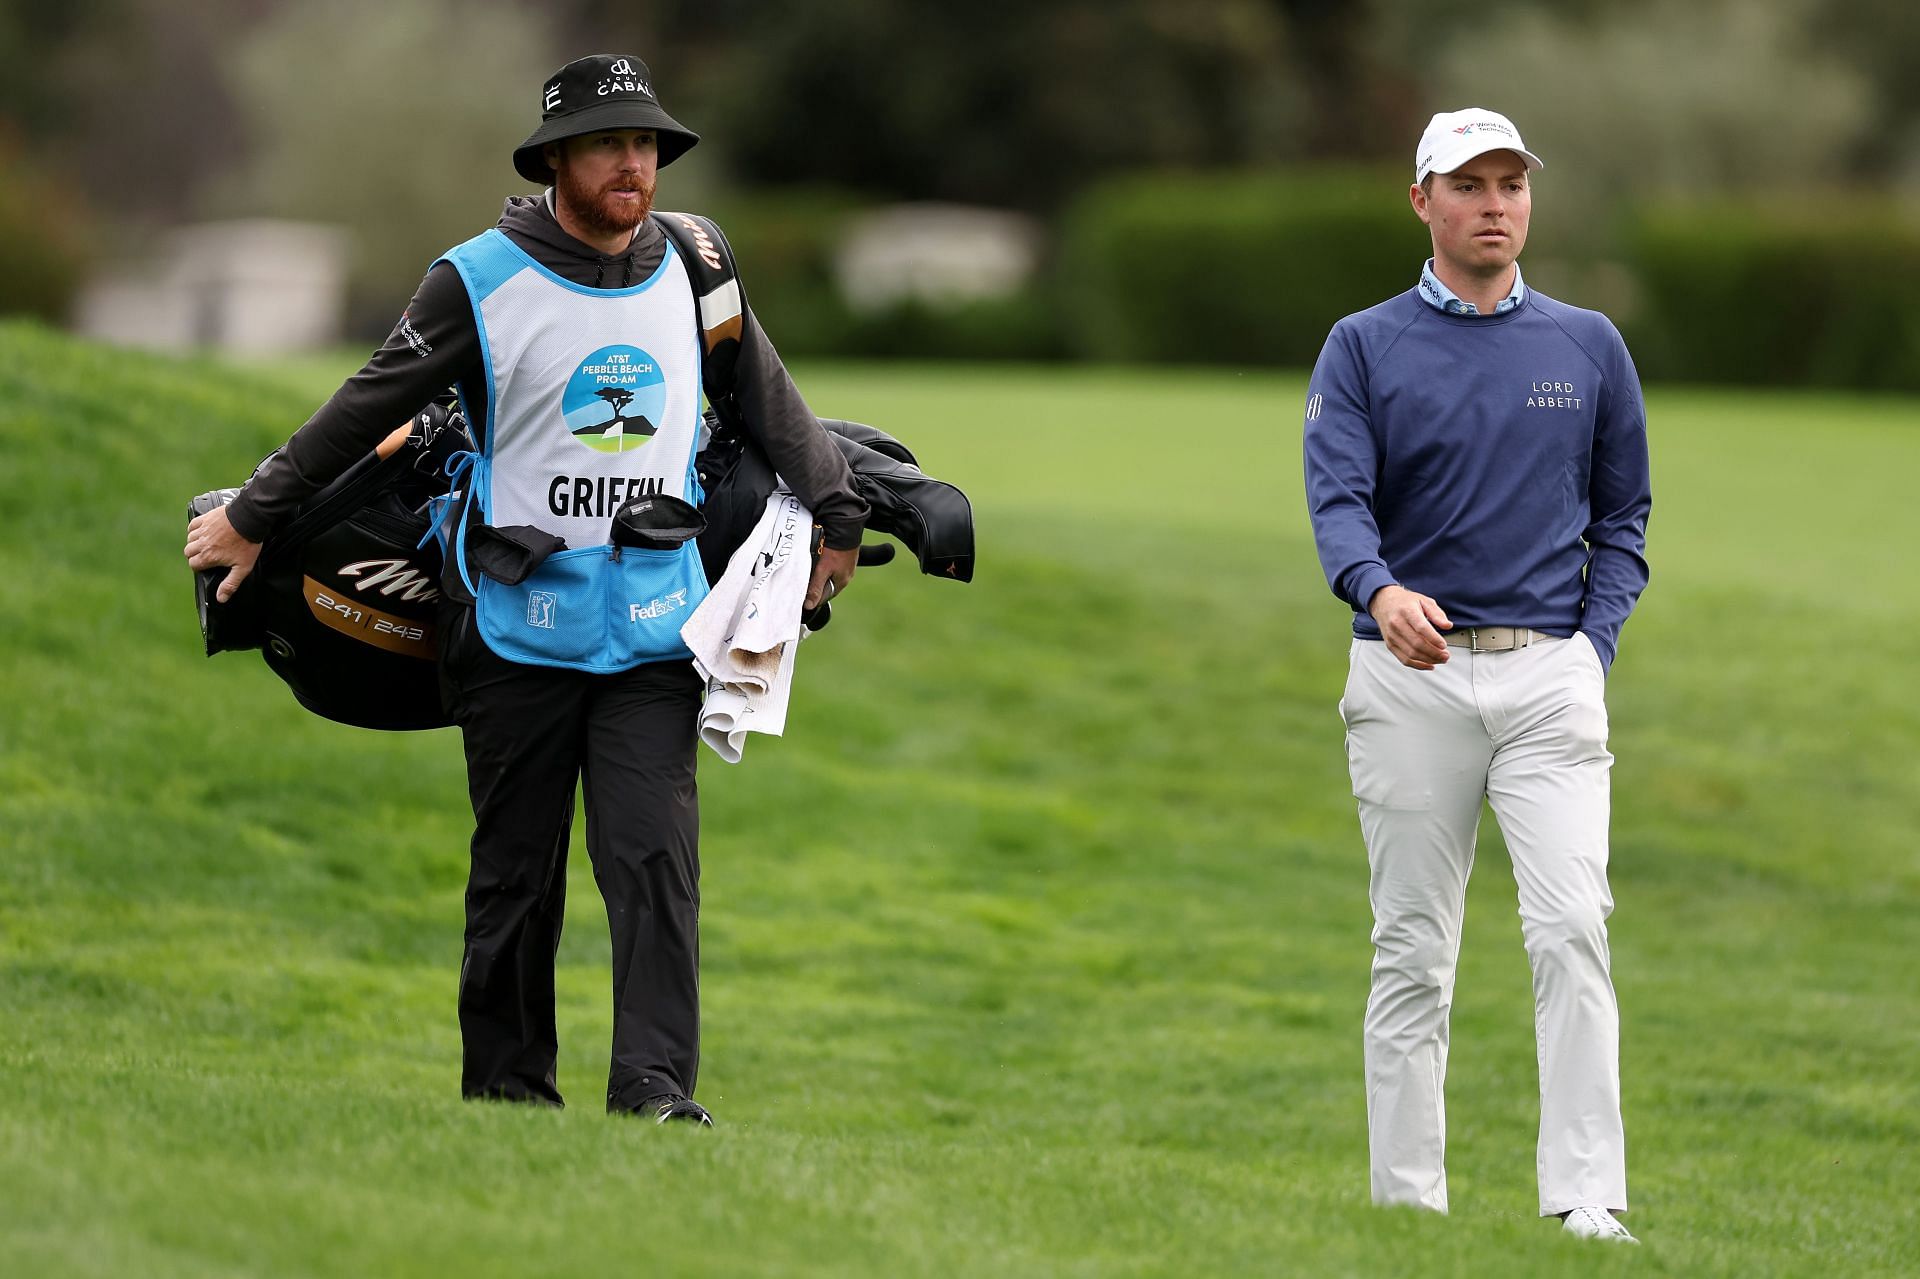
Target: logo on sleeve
(615,399)
(411,336)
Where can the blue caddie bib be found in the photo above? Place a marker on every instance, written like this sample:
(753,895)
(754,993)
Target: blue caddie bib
(595,398)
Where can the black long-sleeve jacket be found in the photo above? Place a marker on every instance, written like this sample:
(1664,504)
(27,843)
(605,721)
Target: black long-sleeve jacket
(437,344)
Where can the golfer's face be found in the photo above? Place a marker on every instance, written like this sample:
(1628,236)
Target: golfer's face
(617,165)
(1478,213)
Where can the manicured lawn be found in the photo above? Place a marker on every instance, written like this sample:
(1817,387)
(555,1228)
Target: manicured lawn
(1037,947)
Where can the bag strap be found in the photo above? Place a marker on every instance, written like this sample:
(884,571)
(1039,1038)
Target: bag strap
(719,305)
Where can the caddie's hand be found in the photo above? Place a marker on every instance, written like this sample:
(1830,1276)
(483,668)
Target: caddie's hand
(213,541)
(831,573)
(1408,622)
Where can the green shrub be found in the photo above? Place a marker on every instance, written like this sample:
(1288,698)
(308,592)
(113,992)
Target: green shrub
(1776,294)
(1018,326)
(42,240)
(784,245)
(1248,268)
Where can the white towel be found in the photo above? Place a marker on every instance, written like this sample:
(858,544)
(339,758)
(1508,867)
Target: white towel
(744,634)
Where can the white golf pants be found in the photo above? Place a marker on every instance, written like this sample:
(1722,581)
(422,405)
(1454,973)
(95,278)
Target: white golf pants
(1527,731)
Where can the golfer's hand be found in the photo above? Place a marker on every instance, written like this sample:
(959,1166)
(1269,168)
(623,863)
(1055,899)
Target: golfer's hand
(212,541)
(1407,622)
(831,573)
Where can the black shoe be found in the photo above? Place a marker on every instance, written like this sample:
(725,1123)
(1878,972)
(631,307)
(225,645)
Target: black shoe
(672,1106)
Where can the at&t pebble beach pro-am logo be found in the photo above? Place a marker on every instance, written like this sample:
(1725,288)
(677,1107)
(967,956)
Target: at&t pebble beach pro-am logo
(614,401)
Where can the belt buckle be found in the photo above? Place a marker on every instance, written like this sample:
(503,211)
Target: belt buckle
(1473,639)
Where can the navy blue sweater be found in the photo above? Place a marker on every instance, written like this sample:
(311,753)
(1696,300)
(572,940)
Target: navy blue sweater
(1496,463)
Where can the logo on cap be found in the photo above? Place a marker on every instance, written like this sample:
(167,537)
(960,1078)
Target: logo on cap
(552,99)
(621,78)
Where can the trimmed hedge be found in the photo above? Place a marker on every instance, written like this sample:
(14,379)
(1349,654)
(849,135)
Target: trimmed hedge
(1018,326)
(1778,295)
(1233,268)
(1254,268)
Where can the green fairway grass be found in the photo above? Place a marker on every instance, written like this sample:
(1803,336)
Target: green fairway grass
(1038,946)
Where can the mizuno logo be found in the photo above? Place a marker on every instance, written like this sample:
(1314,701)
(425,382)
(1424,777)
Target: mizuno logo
(391,577)
(702,241)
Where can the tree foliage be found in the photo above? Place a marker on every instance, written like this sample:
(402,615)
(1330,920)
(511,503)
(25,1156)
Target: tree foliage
(1637,99)
(398,121)
(1003,102)
(123,99)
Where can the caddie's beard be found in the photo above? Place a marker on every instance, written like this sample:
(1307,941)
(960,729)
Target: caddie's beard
(597,209)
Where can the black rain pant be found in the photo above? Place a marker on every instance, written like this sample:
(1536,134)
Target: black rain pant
(530,733)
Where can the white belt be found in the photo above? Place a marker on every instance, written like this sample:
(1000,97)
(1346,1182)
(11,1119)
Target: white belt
(1495,639)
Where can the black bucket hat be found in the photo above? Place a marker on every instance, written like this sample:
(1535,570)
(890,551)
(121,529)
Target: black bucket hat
(604,91)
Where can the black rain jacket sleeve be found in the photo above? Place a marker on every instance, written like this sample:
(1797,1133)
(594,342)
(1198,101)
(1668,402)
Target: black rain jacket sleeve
(433,346)
(796,444)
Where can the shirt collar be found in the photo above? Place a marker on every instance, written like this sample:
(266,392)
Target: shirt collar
(1441,298)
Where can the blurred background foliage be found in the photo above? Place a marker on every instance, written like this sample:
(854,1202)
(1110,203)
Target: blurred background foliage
(1737,182)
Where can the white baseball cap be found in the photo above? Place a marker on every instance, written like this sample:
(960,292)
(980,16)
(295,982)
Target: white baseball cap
(1455,137)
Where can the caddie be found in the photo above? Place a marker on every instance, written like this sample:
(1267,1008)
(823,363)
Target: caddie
(570,331)
(1476,470)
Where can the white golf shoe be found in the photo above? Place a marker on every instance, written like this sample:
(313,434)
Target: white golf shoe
(1591,1222)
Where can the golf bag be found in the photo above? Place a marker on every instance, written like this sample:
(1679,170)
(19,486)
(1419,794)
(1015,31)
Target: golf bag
(342,601)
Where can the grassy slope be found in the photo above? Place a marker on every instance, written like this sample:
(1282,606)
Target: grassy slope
(1037,947)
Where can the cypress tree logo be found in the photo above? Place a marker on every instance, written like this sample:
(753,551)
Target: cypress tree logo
(615,399)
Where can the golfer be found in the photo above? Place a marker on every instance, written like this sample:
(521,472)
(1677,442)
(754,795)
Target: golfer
(1476,469)
(570,332)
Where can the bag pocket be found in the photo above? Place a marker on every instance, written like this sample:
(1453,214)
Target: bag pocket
(598,609)
(653,592)
(556,617)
